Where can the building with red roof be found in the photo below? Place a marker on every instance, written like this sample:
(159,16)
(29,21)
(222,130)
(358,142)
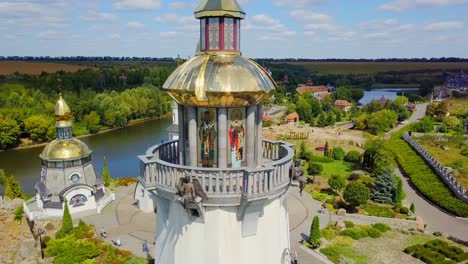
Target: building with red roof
(343,105)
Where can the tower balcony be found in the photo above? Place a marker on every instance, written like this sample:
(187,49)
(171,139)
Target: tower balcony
(161,171)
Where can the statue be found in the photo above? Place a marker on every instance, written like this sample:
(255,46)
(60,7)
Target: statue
(207,134)
(190,191)
(236,138)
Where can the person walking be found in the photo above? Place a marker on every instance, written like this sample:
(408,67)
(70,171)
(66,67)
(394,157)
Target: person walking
(145,247)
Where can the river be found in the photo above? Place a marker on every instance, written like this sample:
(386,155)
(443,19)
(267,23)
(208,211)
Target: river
(390,93)
(121,148)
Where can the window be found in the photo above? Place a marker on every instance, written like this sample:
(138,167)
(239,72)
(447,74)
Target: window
(228,33)
(78,200)
(203,34)
(213,27)
(75,177)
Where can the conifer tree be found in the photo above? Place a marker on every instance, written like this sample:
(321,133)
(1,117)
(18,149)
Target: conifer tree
(383,190)
(67,222)
(412,209)
(314,237)
(105,174)
(399,193)
(13,188)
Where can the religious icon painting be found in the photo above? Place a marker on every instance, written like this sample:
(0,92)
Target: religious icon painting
(236,134)
(78,200)
(207,136)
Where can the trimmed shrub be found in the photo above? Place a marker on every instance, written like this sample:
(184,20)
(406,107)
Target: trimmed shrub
(382,227)
(70,250)
(314,237)
(106,178)
(353,156)
(356,193)
(314,169)
(343,241)
(420,251)
(319,196)
(461,257)
(412,209)
(437,233)
(338,153)
(67,222)
(374,233)
(320,159)
(355,233)
(432,257)
(328,251)
(425,180)
(410,250)
(328,233)
(348,224)
(404,210)
(337,183)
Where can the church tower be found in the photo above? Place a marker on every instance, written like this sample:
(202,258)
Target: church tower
(220,190)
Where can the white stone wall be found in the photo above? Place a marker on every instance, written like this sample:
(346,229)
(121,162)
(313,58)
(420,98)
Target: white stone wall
(89,205)
(146,200)
(219,240)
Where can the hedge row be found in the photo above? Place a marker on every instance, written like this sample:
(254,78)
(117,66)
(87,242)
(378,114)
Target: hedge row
(363,231)
(425,179)
(435,251)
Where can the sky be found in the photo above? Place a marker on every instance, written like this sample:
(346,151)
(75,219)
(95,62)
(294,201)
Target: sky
(272,29)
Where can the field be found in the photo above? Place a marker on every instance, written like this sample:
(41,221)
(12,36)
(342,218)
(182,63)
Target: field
(458,106)
(375,67)
(29,67)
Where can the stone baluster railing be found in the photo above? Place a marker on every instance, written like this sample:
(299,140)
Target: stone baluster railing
(442,171)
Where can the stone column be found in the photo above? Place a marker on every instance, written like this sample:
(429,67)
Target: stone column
(222,138)
(259,134)
(250,134)
(181,135)
(192,135)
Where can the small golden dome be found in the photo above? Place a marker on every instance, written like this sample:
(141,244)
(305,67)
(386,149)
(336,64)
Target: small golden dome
(65,149)
(63,115)
(219,8)
(220,80)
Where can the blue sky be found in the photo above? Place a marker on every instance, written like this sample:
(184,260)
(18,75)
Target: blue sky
(273,28)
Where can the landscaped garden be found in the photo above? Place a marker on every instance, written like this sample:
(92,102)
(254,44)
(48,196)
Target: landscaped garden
(437,251)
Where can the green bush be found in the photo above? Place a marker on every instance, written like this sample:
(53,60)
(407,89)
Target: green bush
(69,250)
(67,222)
(432,257)
(343,241)
(410,250)
(382,227)
(19,212)
(353,156)
(319,196)
(314,237)
(420,251)
(328,251)
(314,168)
(464,151)
(461,257)
(338,153)
(404,210)
(348,224)
(356,193)
(425,180)
(437,233)
(412,209)
(355,233)
(337,183)
(328,233)
(380,211)
(374,233)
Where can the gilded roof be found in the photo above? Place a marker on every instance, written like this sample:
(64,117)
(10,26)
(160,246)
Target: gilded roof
(63,115)
(219,8)
(65,149)
(220,80)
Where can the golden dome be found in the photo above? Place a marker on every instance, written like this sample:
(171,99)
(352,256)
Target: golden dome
(65,149)
(220,80)
(219,8)
(62,113)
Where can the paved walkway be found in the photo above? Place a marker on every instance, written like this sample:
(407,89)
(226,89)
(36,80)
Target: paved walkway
(123,220)
(435,218)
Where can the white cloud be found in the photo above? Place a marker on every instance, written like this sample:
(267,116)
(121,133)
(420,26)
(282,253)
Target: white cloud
(278,36)
(168,34)
(311,16)
(114,36)
(263,22)
(447,25)
(322,27)
(134,5)
(176,19)
(300,3)
(181,5)
(96,16)
(401,5)
(50,34)
(378,24)
(135,24)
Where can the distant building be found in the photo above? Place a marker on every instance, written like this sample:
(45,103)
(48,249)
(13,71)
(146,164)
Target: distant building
(309,82)
(173,129)
(314,90)
(382,101)
(292,118)
(457,81)
(322,96)
(285,79)
(441,91)
(343,105)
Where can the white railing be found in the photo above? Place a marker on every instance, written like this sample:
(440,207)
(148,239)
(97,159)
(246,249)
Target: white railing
(160,168)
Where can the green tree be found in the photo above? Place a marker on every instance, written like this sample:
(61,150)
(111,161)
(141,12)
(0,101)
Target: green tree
(360,122)
(303,109)
(326,151)
(9,133)
(381,121)
(424,126)
(398,108)
(412,209)
(353,156)
(402,100)
(13,188)
(3,177)
(383,189)
(399,193)
(92,121)
(338,153)
(356,194)
(38,127)
(437,109)
(451,121)
(314,169)
(105,174)
(67,222)
(337,183)
(314,236)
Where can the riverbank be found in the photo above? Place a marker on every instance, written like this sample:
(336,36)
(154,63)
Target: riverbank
(130,123)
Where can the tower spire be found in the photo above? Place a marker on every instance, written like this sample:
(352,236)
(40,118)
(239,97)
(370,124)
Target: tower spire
(63,119)
(219,26)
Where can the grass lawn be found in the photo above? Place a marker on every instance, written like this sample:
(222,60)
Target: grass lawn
(376,210)
(447,157)
(337,167)
(458,105)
